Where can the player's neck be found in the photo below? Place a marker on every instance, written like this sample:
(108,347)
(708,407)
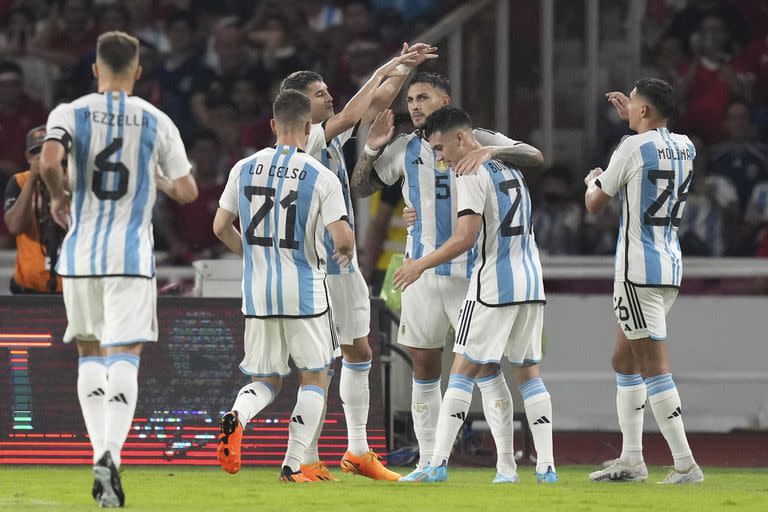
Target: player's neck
(646,126)
(297,140)
(116,85)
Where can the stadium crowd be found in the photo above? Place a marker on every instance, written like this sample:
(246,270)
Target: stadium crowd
(214,68)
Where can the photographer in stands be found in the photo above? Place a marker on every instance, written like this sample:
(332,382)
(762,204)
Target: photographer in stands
(28,217)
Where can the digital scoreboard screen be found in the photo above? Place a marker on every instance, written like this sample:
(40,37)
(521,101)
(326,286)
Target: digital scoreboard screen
(186,381)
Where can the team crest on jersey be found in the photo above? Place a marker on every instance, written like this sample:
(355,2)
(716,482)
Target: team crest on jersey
(286,151)
(441,166)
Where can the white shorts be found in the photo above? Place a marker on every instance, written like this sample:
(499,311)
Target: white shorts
(351,306)
(486,334)
(641,311)
(429,307)
(113,310)
(269,342)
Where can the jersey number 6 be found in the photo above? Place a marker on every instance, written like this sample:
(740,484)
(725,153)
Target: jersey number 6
(288,203)
(106,168)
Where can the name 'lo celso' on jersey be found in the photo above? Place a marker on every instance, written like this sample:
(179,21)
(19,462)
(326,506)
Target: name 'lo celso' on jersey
(507,269)
(430,188)
(331,155)
(284,199)
(115,143)
(651,173)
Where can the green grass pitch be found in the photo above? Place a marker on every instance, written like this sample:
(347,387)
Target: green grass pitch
(169,489)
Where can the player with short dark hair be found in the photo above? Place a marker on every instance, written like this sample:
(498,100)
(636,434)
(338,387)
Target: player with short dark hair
(113,143)
(284,200)
(651,174)
(503,310)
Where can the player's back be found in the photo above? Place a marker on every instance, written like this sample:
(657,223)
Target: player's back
(115,143)
(507,270)
(281,193)
(658,171)
(331,155)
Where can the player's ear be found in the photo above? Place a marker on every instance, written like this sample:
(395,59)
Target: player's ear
(273,125)
(445,100)
(307,127)
(137,75)
(95,70)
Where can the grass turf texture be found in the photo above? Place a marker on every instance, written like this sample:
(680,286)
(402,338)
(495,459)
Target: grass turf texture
(170,489)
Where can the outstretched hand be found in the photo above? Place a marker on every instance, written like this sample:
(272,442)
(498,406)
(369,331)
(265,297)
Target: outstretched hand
(382,130)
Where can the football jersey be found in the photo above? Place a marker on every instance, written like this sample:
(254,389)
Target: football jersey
(651,173)
(115,143)
(507,269)
(284,198)
(331,155)
(430,188)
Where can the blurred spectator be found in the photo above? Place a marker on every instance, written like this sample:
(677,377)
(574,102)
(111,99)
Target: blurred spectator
(222,120)
(557,216)
(253,113)
(391,31)
(688,21)
(149,86)
(321,15)
(232,60)
(185,228)
(146,27)
(757,218)
(671,59)
(182,64)
(355,27)
(18,114)
(711,207)
(277,51)
(711,81)
(360,59)
(69,32)
(28,218)
(410,8)
(740,158)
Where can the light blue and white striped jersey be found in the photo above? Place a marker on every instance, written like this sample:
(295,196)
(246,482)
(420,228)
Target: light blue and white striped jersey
(284,198)
(115,143)
(331,155)
(431,190)
(651,172)
(507,269)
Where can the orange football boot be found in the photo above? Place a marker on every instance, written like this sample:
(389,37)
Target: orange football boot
(287,475)
(317,472)
(368,465)
(230,438)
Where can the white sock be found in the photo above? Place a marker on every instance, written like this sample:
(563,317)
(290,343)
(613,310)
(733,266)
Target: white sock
(91,391)
(304,421)
(665,404)
(538,410)
(355,397)
(425,409)
(453,412)
(630,406)
(497,408)
(122,393)
(251,399)
(313,455)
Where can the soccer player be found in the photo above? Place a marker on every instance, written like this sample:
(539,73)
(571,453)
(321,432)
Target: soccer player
(346,286)
(283,198)
(651,173)
(506,290)
(434,302)
(113,142)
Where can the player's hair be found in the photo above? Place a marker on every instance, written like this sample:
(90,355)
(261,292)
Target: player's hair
(117,50)
(291,108)
(446,119)
(8,66)
(660,94)
(299,81)
(434,79)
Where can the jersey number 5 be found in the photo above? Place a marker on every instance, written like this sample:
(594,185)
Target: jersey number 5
(649,217)
(288,203)
(99,186)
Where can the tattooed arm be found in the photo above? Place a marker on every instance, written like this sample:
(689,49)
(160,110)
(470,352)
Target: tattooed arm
(365,179)
(364,183)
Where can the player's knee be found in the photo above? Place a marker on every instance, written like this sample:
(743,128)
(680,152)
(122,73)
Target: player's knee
(488,369)
(89,349)
(358,352)
(275,382)
(427,363)
(525,373)
(624,363)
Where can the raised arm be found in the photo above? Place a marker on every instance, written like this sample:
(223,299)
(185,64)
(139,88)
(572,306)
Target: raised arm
(357,107)
(364,182)
(387,92)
